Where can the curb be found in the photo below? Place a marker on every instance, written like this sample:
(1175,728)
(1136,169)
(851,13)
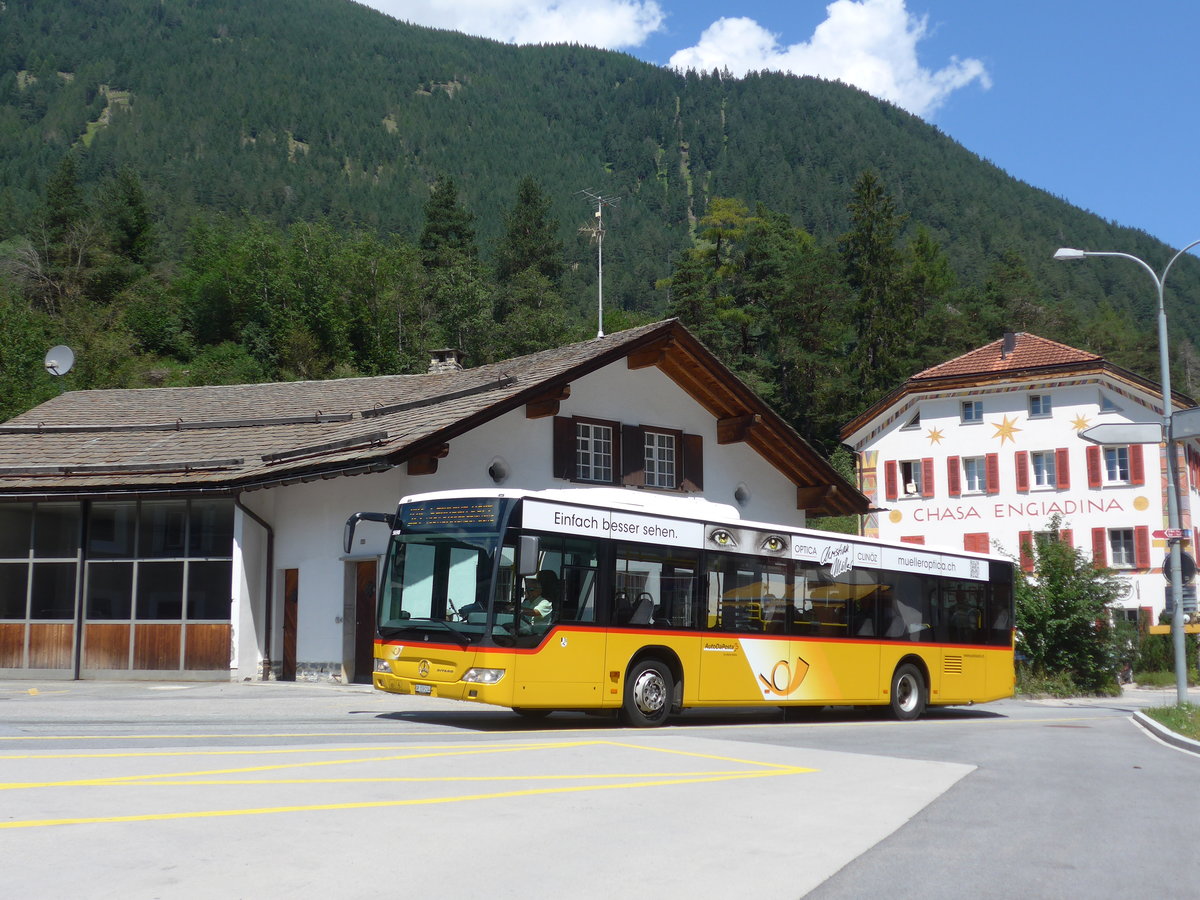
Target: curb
(1166,734)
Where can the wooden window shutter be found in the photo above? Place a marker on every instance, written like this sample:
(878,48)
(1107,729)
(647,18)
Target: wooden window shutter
(1141,546)
(1099,547)
(564,447)
(992,468)
(693,463)
(913,539)
(1062,468)
(1022,462)
(891,480)
(1137,465)
(1025,539)
(1093,466)
(976,543)
(1067,536)
(927,477)
(953,476)
(633,455)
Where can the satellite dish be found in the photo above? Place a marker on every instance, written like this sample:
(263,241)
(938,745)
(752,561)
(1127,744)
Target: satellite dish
(59,360)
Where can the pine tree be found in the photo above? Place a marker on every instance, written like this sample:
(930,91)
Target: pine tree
(883,310)
(530,238)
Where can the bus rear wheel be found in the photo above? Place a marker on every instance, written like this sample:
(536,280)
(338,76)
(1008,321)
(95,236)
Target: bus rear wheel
(908,693)
(649,689)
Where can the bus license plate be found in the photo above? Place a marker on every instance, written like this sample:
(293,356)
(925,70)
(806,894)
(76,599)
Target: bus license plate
(423,688)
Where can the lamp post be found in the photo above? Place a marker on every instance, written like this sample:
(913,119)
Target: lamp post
(1173,523)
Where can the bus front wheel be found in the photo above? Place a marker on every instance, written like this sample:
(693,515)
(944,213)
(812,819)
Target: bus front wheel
(908,693)
(649,688)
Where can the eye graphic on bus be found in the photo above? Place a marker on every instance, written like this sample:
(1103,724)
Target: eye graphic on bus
(784,679)
(747,538)
(722,538)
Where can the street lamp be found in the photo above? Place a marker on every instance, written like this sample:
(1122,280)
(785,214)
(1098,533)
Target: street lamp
(1173,524)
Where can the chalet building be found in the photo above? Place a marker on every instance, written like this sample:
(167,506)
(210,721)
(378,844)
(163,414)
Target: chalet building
(983,451)
(196,532)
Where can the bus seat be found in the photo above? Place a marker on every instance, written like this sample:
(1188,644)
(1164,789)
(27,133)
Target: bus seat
(643,612)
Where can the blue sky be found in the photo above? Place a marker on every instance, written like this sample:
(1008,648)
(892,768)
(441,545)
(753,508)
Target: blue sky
(1087,99)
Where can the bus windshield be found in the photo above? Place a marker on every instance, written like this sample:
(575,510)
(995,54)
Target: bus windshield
(440,567)
(437,584)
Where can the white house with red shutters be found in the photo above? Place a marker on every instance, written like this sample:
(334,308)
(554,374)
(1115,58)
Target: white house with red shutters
(984,452)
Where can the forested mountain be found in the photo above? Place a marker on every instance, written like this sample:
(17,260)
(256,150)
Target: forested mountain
(230,189)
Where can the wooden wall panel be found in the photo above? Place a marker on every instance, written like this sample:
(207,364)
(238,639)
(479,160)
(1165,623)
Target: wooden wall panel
(208,647)
(105,646)
(50,646)
(156,646)
(12,645)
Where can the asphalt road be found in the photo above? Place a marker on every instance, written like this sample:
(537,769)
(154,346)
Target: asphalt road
(264,790)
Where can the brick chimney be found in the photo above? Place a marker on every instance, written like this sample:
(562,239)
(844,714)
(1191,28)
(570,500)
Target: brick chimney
(448,359)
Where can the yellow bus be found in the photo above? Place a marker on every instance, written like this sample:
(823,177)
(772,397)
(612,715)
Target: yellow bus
(643,605)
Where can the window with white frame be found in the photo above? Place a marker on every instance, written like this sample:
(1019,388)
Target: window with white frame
(972,411)
(1116,465)
(913,423)
(594,452)
(974,475)
(1120,548)
(660,460)
(1039,406)
(1042,463)
(910,478)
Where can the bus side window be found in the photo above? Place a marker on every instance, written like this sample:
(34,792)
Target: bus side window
(579,589)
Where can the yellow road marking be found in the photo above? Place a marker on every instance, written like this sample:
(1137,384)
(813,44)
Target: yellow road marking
(385,804)
(596,780)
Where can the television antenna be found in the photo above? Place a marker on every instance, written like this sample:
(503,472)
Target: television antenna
(596,230)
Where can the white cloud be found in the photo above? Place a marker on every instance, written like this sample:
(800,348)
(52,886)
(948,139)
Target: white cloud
(871,44)
(610,24)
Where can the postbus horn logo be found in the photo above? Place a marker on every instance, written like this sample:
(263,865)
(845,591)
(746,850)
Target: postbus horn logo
(784,679)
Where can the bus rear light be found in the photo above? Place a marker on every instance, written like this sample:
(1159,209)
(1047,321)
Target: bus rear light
(483,676)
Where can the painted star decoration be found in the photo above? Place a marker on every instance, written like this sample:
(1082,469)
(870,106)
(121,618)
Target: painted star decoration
(935,435)
(1080,422)
(1006,430)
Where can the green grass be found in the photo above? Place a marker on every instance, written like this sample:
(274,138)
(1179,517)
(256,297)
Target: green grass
(1184,720)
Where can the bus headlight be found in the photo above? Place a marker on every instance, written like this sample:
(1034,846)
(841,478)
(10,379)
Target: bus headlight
(483,676)
(382,665)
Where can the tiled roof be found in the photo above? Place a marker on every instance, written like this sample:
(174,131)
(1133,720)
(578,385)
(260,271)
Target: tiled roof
(239,436)
(1027,351)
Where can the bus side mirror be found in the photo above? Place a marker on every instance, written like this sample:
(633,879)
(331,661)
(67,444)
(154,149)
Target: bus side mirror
(528,553)
(348,533)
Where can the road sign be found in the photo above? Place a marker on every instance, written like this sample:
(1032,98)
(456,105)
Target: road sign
(1186,423)
(1173,534)
(1124,433)
(1187,568)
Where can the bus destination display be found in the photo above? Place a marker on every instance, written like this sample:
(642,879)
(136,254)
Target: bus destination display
(451,515)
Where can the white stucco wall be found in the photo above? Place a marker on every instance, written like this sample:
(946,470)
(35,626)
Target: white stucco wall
(308,518)
(1007,427)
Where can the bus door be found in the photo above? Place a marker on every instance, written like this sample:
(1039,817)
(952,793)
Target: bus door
(560,658)
(963,608)
(746,622)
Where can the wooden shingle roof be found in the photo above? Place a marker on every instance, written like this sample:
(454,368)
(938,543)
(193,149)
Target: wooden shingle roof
(240,437)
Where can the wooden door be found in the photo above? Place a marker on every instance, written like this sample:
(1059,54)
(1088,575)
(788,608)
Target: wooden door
(291,611)
(364,621)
